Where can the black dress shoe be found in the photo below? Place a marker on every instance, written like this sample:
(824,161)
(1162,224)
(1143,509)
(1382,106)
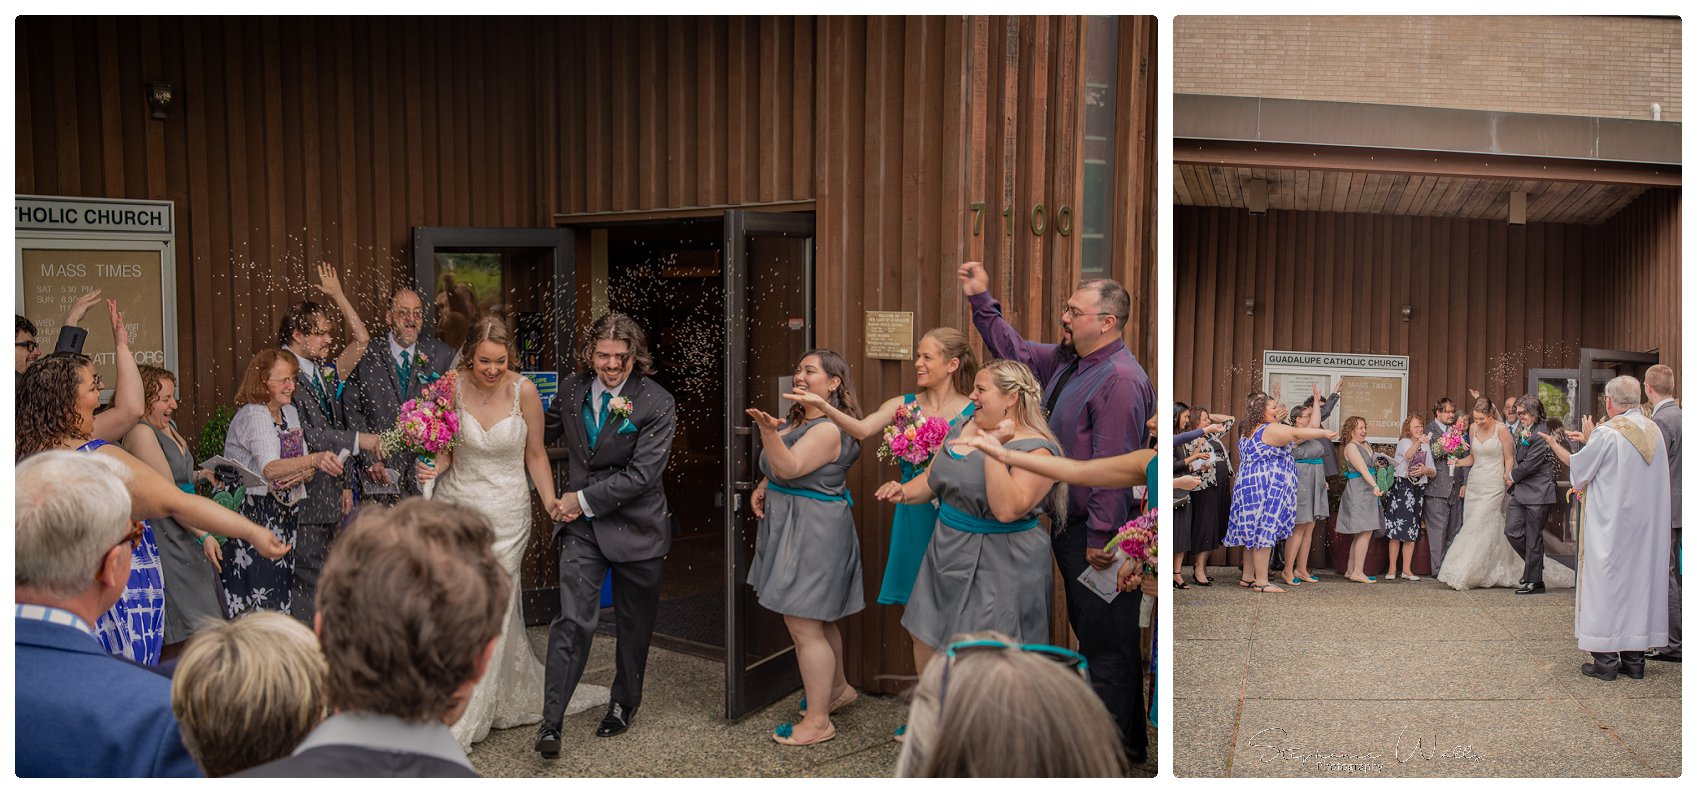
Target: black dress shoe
(1634,672)
(1592,670)
(616,721)
(548,741)
(1658,655)
(1531,588)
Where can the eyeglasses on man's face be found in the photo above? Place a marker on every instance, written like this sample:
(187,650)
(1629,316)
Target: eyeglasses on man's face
(30,345)
(1068,312)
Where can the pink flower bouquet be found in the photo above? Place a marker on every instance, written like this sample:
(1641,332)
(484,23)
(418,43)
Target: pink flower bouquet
(426,425)
(912,437)
(1137,541)
(1452,446)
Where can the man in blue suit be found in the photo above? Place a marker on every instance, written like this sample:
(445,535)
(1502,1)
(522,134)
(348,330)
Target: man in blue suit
(81,712)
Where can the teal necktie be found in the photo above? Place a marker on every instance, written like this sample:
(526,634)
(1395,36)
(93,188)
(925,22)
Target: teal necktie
(406,374)
(317,382)
(600,419)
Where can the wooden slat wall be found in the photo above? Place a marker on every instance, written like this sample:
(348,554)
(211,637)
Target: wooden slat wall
(291,141)
(1489,300)
(918,118)
(678,112)
(1635,289)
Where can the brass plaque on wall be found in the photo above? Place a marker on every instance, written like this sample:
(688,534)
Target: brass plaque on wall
(889,335)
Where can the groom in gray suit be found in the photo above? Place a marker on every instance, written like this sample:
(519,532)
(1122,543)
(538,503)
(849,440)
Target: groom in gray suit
(616,425)
(1533,492)
(1443,491)
(393,370)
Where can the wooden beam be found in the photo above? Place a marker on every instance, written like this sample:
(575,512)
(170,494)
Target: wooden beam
(1243,154)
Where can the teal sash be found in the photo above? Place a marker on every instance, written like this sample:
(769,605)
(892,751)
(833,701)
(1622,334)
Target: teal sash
(960,521)
(813,494)
(1313,461)
(1352,475)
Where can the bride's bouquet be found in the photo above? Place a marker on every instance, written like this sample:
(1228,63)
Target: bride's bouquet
(427,425)
(912,437)
(1452,446)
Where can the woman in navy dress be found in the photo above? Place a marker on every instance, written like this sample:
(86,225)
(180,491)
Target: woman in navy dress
(944,366)
(1263,508)
(806,563)
(265,437)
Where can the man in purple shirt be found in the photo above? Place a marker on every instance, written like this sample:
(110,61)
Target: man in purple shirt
(1098,398)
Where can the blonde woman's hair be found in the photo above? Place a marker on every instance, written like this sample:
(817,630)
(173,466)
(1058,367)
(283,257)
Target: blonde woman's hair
(1010,713)
(1015,378)
(247,692)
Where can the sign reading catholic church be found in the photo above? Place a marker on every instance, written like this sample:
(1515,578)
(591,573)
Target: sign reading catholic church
(1372,386)
(68,246)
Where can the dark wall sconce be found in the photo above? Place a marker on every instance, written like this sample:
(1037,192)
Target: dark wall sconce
(1249,306)
(1407,312)
(158,99)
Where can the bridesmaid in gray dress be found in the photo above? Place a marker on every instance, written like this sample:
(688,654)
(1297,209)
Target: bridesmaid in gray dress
(1311,497)
(187,557)
(1358,510)
(806,563)
(988,567)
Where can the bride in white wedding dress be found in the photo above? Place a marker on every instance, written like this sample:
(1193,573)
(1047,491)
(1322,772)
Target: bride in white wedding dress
(500,439)
(1481,555)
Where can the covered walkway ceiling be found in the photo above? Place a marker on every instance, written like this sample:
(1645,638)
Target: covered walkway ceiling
(1431,162)
(1401,194)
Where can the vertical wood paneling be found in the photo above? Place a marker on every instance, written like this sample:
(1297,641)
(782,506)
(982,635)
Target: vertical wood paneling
(1489,301)
(291,140)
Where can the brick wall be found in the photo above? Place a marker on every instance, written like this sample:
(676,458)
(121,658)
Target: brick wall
(1589,66)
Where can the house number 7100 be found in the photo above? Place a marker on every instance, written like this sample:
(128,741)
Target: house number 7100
(1039,220)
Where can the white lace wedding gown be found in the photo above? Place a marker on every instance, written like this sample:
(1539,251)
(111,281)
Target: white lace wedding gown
(487,475)
(1481,555)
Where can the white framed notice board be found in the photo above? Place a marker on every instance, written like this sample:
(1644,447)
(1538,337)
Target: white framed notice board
(1374,387)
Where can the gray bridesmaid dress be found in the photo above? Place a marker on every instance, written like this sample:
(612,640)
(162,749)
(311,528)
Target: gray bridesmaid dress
(1358,510)
(1311,498)
(806,554)
(971,581)
(191,585)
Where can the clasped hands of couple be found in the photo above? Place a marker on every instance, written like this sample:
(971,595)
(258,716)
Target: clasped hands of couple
(565,509)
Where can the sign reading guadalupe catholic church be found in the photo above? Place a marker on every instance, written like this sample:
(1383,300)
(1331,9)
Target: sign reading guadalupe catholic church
(68,246)
(1372,386)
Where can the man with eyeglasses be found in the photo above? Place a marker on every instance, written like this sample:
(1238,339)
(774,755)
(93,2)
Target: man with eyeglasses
(1097,397)
(392,371)
(71,333)
(305,331)
(88,713)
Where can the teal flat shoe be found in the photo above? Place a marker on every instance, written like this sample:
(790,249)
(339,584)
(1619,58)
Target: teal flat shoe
(1311,578)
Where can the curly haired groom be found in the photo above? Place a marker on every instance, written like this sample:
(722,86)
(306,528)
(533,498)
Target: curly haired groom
(616,425)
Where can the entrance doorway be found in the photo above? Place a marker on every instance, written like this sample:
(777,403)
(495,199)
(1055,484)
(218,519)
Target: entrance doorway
(727,303)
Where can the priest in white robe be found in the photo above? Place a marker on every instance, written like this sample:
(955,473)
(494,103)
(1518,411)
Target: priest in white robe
(1622,607)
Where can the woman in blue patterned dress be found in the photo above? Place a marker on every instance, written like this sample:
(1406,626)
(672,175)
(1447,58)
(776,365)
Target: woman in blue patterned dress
(1413,462)
(1263,509)
(56,400)
(944,366)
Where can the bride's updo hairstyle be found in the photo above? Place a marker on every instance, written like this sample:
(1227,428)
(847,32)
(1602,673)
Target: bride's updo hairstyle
(492,328)
(1486,406)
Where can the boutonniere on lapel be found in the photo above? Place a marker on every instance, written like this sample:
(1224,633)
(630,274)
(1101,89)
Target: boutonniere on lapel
(620,408)
(421,366)
(332,379)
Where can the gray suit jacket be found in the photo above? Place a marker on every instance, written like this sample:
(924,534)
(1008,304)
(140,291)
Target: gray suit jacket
(1668,419)
(374,395)
(1534,473)
(1443,485)
(622,477)
(323,503)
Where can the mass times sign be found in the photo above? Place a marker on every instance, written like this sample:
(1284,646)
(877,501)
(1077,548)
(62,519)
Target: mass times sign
(68,246)
(1374,387)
